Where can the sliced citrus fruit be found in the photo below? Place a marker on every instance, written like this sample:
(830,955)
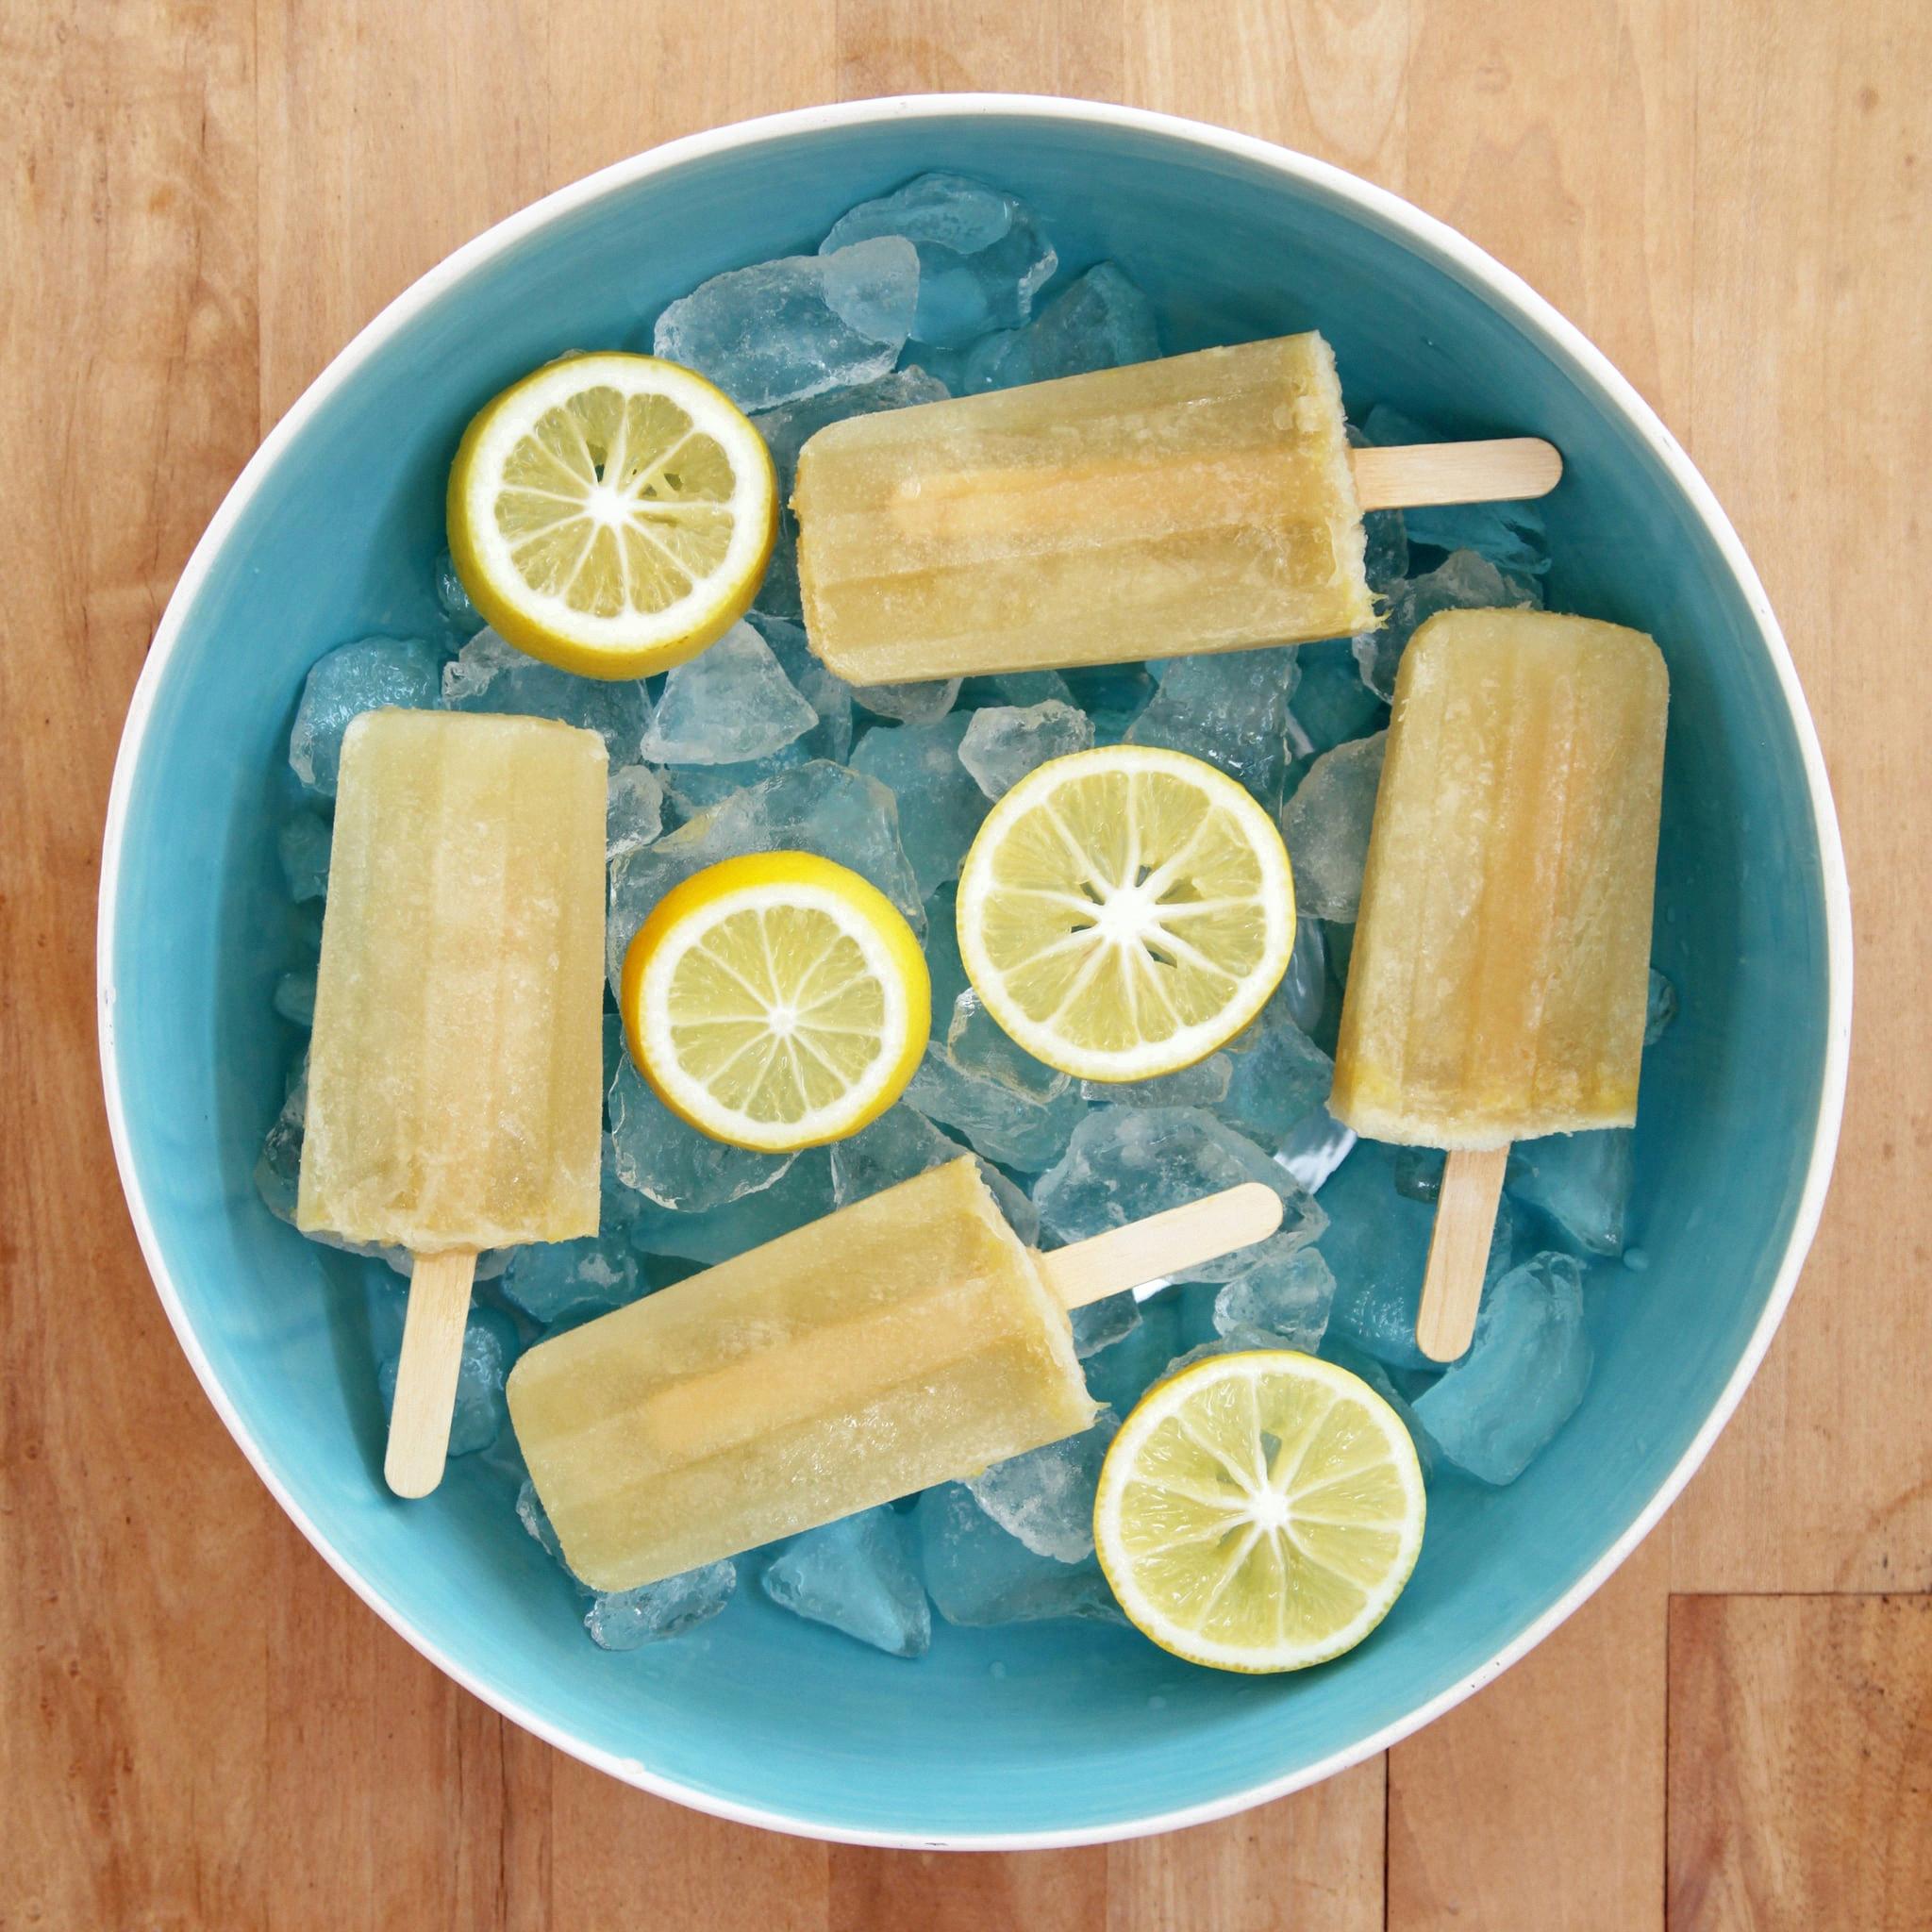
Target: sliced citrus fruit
(611,514)
(1260,1512)
(777,1001)
(1124,911)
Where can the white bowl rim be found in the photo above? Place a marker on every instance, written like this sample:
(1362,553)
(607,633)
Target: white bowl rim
(1429,236)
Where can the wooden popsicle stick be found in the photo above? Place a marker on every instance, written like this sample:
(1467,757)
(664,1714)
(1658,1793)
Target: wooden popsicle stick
(1459,1251)
(1501,471)
(426,1371)
(1163,1245)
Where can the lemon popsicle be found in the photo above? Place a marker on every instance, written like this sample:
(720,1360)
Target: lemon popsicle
(456,1064)
(1208,502)
(905,1340)
(1201,503)
(1500,971)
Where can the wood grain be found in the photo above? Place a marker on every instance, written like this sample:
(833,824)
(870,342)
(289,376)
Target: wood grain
(205,199)
(1801,1763)
(1539,1805)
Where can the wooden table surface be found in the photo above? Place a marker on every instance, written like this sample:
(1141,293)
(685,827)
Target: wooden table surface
(203,200)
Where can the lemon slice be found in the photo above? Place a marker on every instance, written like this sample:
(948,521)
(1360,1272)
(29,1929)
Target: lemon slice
(611,514)
(1260,1512)
(775,1002)
(1124,911)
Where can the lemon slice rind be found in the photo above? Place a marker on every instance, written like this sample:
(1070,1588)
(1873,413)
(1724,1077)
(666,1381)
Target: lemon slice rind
(1122,919)
(636,525)
(1320,1553)
(699,932)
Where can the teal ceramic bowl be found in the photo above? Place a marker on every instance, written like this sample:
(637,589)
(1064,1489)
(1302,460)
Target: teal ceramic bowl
(1047,1733)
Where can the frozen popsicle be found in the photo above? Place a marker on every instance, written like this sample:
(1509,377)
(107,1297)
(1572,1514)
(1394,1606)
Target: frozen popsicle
(905,1340)
(1208,502)
(455,1065)
(1498,982)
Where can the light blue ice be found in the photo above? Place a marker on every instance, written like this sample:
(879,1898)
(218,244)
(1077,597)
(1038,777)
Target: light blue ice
(353,679)
(978,1574)
(941,806)
(780,330)
(1325,827)
(859,1576)
(1124,1163)
(982,253)
(492,674)
(1229,708)
(1522,1379)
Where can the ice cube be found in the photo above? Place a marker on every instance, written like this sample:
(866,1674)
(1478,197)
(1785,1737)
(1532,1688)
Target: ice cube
(982,255)
(1124,1163)
(1100,321)
(1378,1244)
(1004,1126)
(675,1165)
(925,701)
(780,330)
(903,1142)
(1203,1083)
(630,1619)
(1280,1303)
(979,1573)
(347,682)
(294,997)
(1113,696)
(1326,826)
(1121,1373)
(1511,536)
(1523,1376)
(829,697)
(1463,581)
(303,847)
(1303,993)
(1662,1009)
(1229,708)
(1581,1182)
(802,1193)
(1101,1323)
(1006,742)
(1277,1076)
(1332,705)
(940,805)
(635,814)
(1046,1497)
(978,1044)
(463,616)
(942,960)
(492,674)
(731,702)
(1019,688)
(490,1352)
(568,1281)
(858,1575)
(536,1521)
(817,806)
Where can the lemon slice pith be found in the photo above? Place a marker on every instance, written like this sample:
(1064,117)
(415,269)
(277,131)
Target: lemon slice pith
(778,1001)
(1124,911)
(611,513)
(1260,1512)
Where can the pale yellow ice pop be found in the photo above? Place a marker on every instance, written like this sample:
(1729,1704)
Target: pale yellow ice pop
(456,1066)
(1498,981)
(1208,502)
(1203,503)
(904,1340)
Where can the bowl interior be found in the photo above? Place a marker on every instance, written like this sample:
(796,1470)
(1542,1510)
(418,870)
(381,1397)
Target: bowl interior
(1058,1728)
